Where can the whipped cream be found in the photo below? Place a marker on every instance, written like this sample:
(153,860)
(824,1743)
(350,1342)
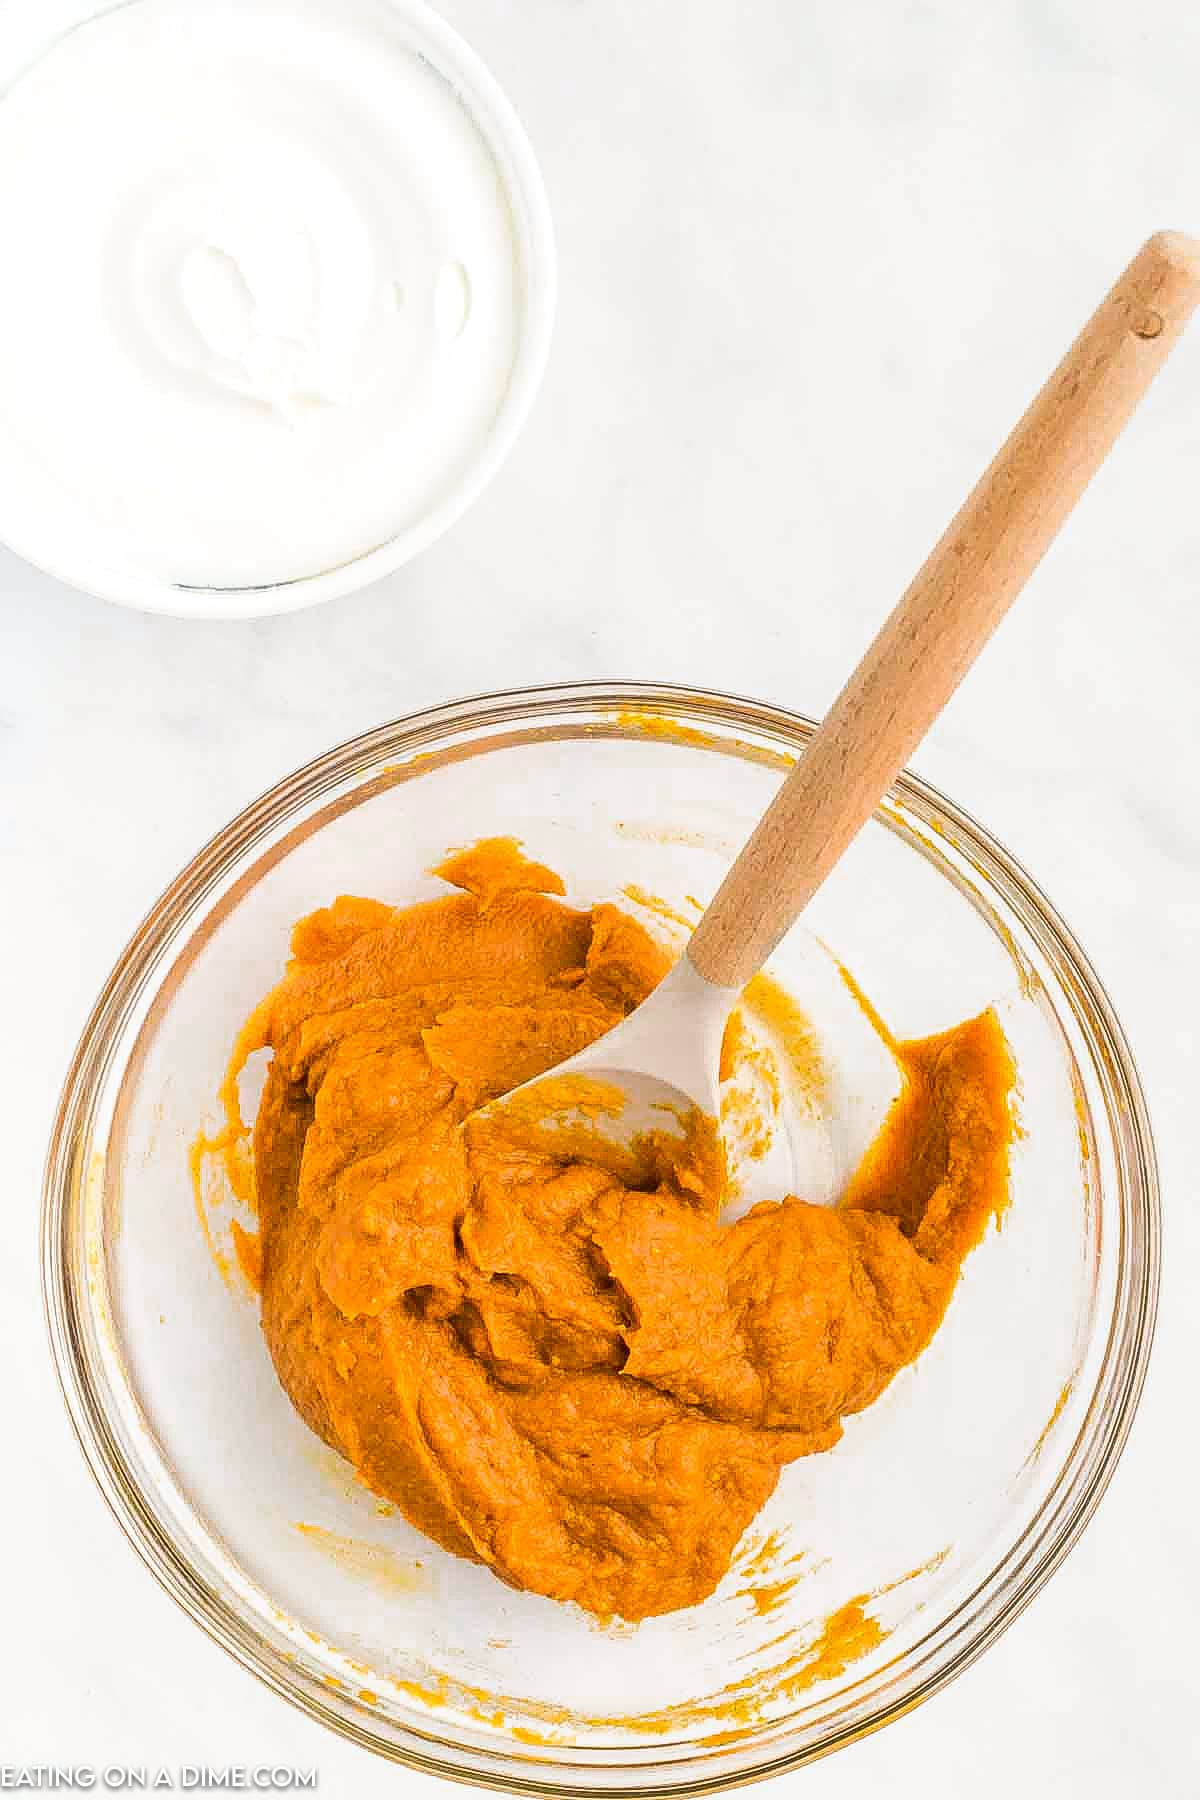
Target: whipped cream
(261,301)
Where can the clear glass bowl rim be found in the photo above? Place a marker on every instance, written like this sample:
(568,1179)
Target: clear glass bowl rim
(1000,1597)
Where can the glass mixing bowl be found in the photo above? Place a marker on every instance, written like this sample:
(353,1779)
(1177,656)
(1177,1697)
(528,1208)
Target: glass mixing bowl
(878,1570)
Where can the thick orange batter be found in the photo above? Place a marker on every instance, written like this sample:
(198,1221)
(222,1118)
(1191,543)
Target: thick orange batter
(588,1387)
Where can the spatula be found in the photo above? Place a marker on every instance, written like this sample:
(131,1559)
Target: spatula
(658,1070)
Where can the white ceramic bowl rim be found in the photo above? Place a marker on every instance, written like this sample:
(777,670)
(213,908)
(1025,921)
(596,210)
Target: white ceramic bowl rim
(496,119)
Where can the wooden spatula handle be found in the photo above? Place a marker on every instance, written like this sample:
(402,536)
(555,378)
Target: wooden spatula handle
(950,611)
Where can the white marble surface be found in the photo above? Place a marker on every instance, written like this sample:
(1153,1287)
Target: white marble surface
(814,260)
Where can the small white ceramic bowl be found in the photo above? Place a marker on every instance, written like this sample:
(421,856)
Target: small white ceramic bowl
(28,29)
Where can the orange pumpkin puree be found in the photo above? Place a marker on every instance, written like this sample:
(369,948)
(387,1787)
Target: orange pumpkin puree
(589,1386)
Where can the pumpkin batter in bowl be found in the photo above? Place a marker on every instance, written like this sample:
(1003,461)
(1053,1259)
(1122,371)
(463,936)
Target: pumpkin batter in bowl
(589,1386)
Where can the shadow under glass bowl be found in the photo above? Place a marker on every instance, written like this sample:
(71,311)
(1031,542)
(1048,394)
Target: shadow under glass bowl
(929,1527)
